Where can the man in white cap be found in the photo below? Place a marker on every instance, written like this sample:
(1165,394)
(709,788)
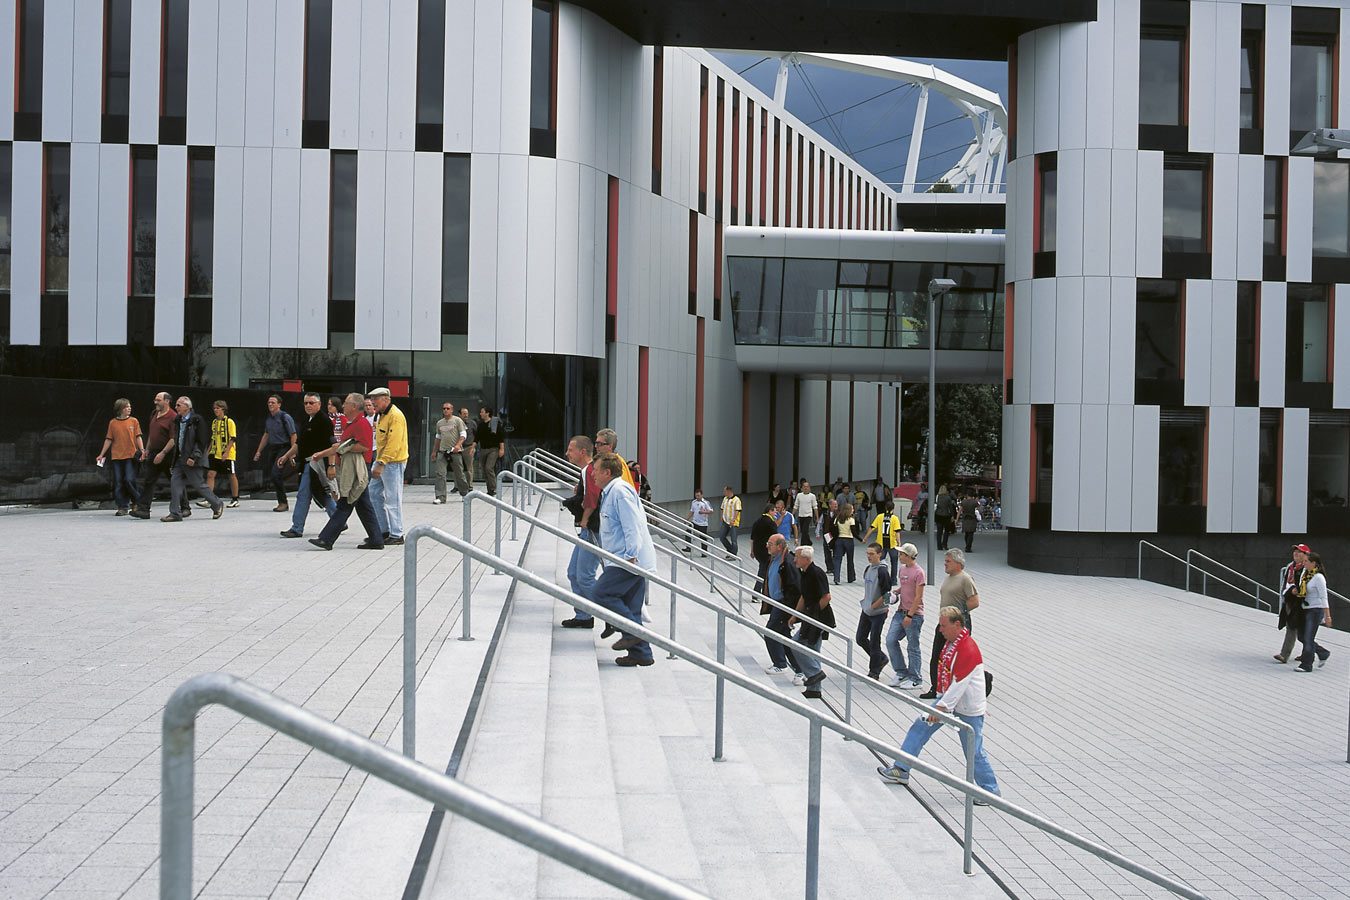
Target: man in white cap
(907,621)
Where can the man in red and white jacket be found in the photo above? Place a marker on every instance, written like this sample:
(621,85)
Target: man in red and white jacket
(961,692)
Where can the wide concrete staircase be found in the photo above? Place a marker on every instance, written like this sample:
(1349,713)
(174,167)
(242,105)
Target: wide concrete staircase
(624,757)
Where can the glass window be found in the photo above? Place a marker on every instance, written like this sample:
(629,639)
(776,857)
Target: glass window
(1249,80)
(966,320)
(56,249)
(1181,462)
(116,57)
(1185,206)
(756,298)
(201,220)
(318,58)
(541,65)
(864,274)
(1310,83)
(808,299)
(1267,466)
(1045,230)
(6,189)
(1328,460)
(1044,425)
(342,239)
(860,316)
(1272,240)
(1162,61)
(28,96)
(1157,324)
(430,66)
(175,60)
(455,230)
(1245,371)
(1306,333)
(1331,209)
(143,192)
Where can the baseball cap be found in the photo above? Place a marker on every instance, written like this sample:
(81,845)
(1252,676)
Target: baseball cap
(910,550)
(1304,547)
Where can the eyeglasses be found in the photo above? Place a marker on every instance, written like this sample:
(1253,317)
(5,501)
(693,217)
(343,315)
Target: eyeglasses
(602,443)
(450,408)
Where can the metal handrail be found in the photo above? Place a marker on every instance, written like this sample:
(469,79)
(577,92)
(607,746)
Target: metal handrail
(1204,590)
(178,764)
(818,722)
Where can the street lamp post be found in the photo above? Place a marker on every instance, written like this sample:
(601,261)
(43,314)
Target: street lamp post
(936,287)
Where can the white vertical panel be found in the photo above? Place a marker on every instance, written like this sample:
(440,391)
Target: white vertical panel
(1275,109)
(1101,88)
(1248,216)
(1096,346)
(58,63)
(838,427)
(402,80)
(1013,229)
(370,249)
(569,81)
(312,289)
(1299,219)
(512,321)
(171,190)
(87,81)
(1069,214)
(1144,490)
(1119,467)
(1064,499)
(541,270)
(1017,453)
(288,105)
(1223,344)
(260,74)
(143,123)
(1047,89)
(1198,330)
(567,267)
(1246,472)
(1219,471)
(1340,351)
(203,25)
(487,77)
(284,280)
(1343,91)
(1022,349)
(25,278)
(1073,86)
(515,75)
(256,249)
(427,214)
(227,270)
(483,208)
(7,23)
(398,251)
(1026,94)
(1022,183)
(82,299)
(1149,218)
(1227,64)
(1123,212)
(114,213)
(344,103)
(1224,221)
(1201,78)
(1091,467)
(459,70)
(1294,477)
(1097,220)
(231,53)
(588,305)
(1123,304)
(1042,341)
(1271,352)
(1068,349)
(586,90)
(1125,85)
(865,462)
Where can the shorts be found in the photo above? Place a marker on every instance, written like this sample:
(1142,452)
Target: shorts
(222,466)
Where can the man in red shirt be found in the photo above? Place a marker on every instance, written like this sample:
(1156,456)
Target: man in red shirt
(961,692)
(358,431)
(158,436)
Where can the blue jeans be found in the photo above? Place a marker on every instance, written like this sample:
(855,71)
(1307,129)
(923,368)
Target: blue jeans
(386,495)
(921,731)
(913,667)
(581,569)
(124,480)
(843,548)
(1312,620)
(303,494)
(730,538)
(621,591)
(781,654)
(809,664)
(869,638)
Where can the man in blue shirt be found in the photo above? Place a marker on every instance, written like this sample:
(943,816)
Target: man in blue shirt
(783,583)
(623,532)
(279,440)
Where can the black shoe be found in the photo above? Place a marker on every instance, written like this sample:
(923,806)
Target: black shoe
(394,540)
(367,545)
(186,512)
(815,679)
(811,695)
(218,511)
(322,545)
(629,661)
(574,622)
(626,643)
(385,535)
(928,695)
(609,629)
(140,513)
(171,518)
(291,533)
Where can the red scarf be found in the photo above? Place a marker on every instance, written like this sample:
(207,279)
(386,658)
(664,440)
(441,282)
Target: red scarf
(948,657)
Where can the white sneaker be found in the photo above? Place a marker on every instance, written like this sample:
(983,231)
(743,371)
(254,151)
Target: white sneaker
(437,500)
(896,682)
(799,679)
(914,685)
(775,670)
(203,504)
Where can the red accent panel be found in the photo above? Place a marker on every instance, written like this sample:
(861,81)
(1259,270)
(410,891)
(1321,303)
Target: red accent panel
(295,386)
(698,376)
(400,388)
(643,386)
(693,258)
(612,252)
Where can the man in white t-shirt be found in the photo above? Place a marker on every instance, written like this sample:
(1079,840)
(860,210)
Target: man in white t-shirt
(804,507)
(699,510)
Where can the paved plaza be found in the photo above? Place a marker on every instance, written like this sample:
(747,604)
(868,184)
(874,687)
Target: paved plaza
(1150,720)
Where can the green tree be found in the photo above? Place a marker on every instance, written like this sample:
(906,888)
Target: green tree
(969,428)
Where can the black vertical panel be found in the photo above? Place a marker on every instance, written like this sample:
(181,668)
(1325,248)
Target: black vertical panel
(174,73)
(430,74)
(6,194)
(28,90)
(543,78)
(116,70)
(201,220)
(342,244)
(56,219)
(144,191)
(318,73)
(455,245)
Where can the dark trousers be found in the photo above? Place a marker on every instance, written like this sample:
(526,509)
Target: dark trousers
(150,479)
(781,654)
(1312,620)
(805,525)
(843,550)
(869,638)
(970,537)
(272,475)
(944,530)
(185,476)
(938,643)
(622,592)
(364,511)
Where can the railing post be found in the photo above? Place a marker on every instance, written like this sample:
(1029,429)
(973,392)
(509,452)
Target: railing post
(673,595)
(1188,571)
(1140,574)
(497,532)
(410,643)
(721,684)
(848,688)
(813,814)
(175,818)
(968,844)
(467,584)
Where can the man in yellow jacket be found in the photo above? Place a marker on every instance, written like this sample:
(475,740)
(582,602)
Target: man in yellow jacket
(391,458)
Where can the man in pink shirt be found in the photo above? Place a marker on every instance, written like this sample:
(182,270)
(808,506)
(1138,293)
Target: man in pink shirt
(907,621)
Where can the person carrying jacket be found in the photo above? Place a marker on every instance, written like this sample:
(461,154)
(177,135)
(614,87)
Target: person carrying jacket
(189,442)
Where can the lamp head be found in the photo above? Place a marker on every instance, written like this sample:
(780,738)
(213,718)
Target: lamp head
(940,286)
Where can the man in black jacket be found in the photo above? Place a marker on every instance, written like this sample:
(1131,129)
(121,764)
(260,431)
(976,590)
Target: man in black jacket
(491,438)
(316,435)
(190,441)
(760,532)
(815,603)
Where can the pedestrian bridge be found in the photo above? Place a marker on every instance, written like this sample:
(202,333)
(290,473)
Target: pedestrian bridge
(823,303)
